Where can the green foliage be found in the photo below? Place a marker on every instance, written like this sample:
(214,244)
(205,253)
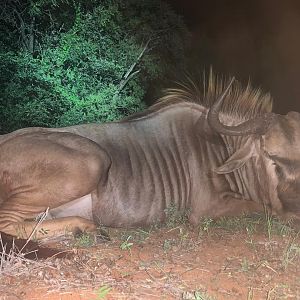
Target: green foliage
(291,252)
(126,245)
(84,240)
(102,292)
(175,217)
(66,62)
(197,295)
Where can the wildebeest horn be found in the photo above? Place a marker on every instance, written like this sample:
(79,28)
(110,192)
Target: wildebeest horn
(257,125)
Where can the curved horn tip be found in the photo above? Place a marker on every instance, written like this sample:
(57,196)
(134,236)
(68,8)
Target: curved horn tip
(224,94)
(232,80)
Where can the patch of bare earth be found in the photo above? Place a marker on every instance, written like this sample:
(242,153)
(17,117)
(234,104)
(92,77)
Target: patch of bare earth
(241,260)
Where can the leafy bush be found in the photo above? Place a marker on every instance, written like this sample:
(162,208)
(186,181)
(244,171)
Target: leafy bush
(70,62)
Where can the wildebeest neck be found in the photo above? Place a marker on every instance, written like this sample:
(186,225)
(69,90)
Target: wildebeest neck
(251,178)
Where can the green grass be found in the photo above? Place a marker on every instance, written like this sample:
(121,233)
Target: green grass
(291,252)
(102,292)
(245,265)
(126,245)
(270,225)
(84,240)
(197,295)
(231,224)
(138,235)
(175,217)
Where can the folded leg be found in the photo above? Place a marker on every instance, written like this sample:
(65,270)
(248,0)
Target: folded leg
(49,228)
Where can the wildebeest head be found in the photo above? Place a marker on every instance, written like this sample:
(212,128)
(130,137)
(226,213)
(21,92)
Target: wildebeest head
(275,139)
(281,145)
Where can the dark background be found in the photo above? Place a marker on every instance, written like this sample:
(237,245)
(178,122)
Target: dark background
(256,39)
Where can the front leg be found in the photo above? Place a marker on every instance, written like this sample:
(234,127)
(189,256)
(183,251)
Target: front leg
(49,228)
(234,204)
(226,204)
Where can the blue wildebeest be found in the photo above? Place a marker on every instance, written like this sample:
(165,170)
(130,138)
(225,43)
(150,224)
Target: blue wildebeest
(216,153)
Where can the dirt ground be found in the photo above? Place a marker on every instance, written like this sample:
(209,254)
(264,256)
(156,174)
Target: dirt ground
(237,258)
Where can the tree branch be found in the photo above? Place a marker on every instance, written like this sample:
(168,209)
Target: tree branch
(130,73)
(22,29)
(137,61)
(31,36)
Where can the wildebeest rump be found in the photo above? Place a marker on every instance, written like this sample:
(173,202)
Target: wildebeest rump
(212,158)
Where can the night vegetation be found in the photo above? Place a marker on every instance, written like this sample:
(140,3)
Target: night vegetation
(66,62)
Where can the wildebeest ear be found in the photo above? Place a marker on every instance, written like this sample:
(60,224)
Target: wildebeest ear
(239,158)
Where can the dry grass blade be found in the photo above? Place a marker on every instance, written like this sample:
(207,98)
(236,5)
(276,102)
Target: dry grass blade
(14,262)
(40,221)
